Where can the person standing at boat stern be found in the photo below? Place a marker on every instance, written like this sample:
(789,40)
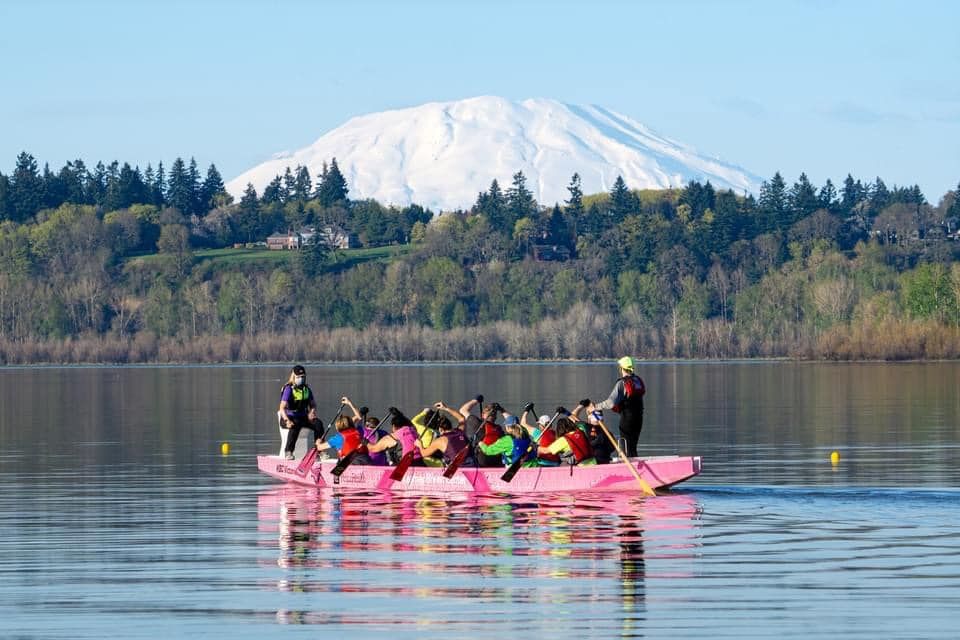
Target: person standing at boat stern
(627,400)
(298,408)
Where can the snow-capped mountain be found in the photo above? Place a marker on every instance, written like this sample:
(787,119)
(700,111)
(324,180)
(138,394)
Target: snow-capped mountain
(442,154)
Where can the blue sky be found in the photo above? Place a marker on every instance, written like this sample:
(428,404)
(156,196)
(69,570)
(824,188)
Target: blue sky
(829,88)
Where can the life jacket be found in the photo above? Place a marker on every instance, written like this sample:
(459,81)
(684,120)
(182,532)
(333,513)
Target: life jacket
(579,445)
(634,390)
(520,447)
(407,437)
(547,438)
(299,399)
(456,440)
(491,432)
(351,441)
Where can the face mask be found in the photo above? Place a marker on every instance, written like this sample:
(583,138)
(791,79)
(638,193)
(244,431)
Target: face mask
(298,381)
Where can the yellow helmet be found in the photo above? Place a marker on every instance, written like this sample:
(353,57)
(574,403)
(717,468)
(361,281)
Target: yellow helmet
(625,363)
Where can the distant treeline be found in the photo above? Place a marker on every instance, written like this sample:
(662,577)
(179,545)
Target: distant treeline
(99,266)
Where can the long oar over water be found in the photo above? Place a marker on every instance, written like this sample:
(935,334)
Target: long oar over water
(636,474)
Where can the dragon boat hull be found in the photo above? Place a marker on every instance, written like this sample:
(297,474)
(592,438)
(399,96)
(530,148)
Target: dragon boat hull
(659,472)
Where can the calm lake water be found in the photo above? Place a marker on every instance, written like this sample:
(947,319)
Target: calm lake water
(119,517)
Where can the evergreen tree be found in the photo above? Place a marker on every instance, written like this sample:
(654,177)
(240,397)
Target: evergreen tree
(726,225)
(575,201)
(5,205)
(772,205)
(827,198)
(26,188)
(289,185)
(273,192)
(193,186)
(492,205)
(96,185)
(622,201)
(332,188)
(520,203)
(302,185)
(248,215)
(851,195)
(159,189)
(954,210)
(698,197)
(179,191)
(211,188)
(880,198)
(802,199)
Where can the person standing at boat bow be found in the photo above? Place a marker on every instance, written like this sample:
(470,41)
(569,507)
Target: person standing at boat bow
(627,400)
(298,408)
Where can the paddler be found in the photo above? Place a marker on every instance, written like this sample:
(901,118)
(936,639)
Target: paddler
(571,444)
(627,400)
(451,439)
(345,441)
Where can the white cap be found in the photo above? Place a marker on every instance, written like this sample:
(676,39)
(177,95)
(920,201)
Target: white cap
(543,420)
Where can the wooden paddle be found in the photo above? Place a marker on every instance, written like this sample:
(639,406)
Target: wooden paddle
(307,463)
(515,466)
(456,462)
(636,474)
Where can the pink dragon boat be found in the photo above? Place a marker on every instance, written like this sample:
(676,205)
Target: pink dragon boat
(659,472)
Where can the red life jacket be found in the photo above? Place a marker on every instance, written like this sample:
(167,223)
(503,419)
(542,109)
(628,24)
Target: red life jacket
(491,433)
(579,444)
(352,440)
(634,390)
(547,438)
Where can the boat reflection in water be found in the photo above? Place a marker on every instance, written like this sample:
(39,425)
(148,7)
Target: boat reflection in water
(476,561)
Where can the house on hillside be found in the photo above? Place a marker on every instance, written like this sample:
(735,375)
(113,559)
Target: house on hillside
(336,237)
(288,240)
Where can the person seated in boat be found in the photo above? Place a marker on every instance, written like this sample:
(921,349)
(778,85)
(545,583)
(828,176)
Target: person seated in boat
(571,444)
(450,441)
(402,433)
(425,423)
(298,409)
(369,428)
(541,434)
(484,429)
(599,442)
(345,441)
(513,445)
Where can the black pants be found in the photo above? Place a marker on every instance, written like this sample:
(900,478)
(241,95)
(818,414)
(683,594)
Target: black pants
(294,432)
(631,424)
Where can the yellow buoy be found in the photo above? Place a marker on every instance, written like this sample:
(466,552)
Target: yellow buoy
(835,457)
(225,448)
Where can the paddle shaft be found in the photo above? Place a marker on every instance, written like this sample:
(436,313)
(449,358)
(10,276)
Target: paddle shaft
(636,474)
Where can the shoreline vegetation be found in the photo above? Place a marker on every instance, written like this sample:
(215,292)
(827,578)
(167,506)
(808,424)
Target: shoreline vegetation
(114,265)
(580,335)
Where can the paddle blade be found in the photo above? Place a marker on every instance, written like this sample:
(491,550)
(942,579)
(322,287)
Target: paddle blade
(307,462)
(455,463)
(401,469)
(343,464)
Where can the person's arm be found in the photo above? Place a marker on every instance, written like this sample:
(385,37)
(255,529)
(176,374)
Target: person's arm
(502,445)
(284,399)
(356,414)
(469,405)
(437,445)
(333,442)
(382,444)
(617,396)
(457,416)
(559,446)
(312,407)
